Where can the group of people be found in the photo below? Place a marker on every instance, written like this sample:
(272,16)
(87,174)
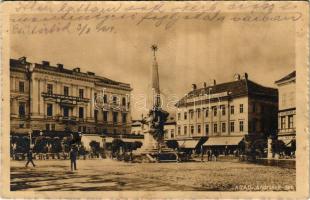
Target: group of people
(212,155)
(73,157)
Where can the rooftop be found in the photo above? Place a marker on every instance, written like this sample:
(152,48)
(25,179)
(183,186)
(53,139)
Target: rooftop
(45,65)
(237,88)
(287,77)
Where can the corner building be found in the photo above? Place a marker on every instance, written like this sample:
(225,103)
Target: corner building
(287,111)
(224,114)
(53,98)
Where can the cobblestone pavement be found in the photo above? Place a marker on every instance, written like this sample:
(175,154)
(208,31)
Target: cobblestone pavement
(110,175)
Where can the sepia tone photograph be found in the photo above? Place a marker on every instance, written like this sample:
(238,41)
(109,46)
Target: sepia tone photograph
(155,96)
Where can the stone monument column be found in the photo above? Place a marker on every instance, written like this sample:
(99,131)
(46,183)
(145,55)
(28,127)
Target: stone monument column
(153,135)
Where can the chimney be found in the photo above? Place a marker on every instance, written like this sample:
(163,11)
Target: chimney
(204,84)
(45,63)
(91,73)
(214,82)
(22,59)
(60,66)
(246,76)
(194,86)
(237,77)
(77,69)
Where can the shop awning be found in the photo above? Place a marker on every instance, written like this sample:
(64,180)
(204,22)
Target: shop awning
(223,141)
(287,140)
(188,144)
(110,139)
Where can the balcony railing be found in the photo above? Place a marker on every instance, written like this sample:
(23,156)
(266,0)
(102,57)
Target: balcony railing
(115,107)
(67,119)
(64,97)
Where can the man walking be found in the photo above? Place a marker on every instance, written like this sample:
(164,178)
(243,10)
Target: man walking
(73,159)
(209,155)
(29,158)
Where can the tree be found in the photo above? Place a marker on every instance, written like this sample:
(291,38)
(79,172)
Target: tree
(293,145)
(278,146)
(117,144)
(95,147)
(56,145)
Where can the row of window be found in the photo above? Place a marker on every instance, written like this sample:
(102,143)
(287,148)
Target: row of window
(66,93)
(287,122)
(50,89)
(65,90)
(216,128)
(114,99)
(114,116)
(214,111)
(49,113)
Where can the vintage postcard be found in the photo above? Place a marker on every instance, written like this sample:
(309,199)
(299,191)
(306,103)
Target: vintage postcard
(197,99)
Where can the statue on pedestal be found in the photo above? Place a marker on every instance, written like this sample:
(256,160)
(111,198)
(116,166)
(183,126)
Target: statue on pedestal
(153,144)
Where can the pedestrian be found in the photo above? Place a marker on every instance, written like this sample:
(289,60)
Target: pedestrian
(29,158)
(73,159)
(215,154)
(202,152)
(209,155)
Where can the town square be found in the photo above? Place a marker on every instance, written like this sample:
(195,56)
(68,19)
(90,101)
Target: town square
(111,175)
(196,107)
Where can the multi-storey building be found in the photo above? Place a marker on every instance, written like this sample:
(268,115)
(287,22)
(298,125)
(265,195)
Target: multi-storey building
(169,128)
(53,98)
(287,109)
(137,127)
(224,113)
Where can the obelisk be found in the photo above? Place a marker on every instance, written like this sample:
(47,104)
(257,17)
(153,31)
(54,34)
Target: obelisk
(156,116)
(155,80)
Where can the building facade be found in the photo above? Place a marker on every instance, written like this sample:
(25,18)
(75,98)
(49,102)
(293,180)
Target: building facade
(224,113)
(53,98)
(287,109)
(169,128)
(137,127)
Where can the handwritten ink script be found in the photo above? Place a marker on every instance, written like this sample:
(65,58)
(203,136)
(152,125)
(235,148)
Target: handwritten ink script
(86,18)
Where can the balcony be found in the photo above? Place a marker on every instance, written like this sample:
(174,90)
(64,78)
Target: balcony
(64,119)
(63,98)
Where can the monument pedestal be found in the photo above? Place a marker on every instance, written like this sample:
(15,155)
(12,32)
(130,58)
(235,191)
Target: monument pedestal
(149,145)
(150,152)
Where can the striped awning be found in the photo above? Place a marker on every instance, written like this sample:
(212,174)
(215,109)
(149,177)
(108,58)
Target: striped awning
(223,141)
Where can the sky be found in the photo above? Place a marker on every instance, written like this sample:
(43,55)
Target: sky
(189,52)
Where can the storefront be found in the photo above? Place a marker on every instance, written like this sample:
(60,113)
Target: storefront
(288,147)
(224,145)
